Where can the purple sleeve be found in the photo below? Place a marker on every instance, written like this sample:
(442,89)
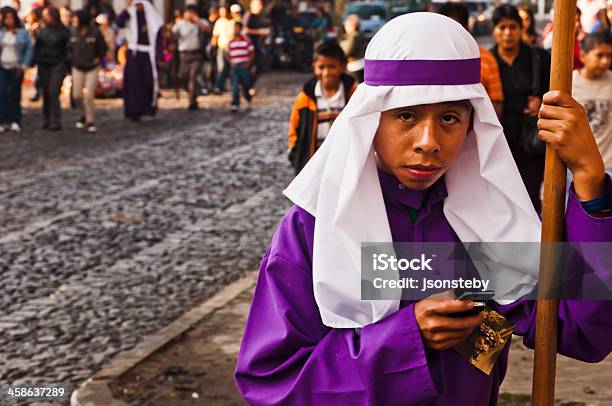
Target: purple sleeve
(585,326)
(288,356)
(122,19)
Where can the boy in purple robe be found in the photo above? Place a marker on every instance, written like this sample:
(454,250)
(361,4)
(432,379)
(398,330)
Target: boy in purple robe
(143,32)
(418,155)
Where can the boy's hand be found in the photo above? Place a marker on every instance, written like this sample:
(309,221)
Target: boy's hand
(564,125)
(439,331)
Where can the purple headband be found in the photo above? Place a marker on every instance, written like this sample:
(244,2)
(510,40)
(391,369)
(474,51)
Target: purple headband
(422,72)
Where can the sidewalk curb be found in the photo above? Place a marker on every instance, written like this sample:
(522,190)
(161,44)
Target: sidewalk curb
(95,391)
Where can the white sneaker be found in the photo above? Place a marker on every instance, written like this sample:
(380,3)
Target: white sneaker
(91,128)
(234,109)
(15,127)
(2,128)
(80,124)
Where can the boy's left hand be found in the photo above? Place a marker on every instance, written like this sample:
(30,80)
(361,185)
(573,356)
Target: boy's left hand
(564,125)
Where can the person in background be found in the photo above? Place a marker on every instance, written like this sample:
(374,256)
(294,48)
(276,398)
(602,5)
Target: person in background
(530,36)
(15,57)
(354,46)
(86,48)
(589,10)
(38,8)
(109,35)
(50,54)
(319,103)
(97,7)
(69,19)
(187,32)
(489,68)
(16,5)
(206,85)
(32,25)
(170,58)
(140,77)
(223,32)
(236,12)
(602,23)
(210,68)
(319,25)
(241,53)
(592,87)
(66,15)
(257,29)
(521,99)
(579,33)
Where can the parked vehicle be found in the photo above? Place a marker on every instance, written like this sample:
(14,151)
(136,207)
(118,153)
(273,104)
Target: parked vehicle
(373,15)
(401,7)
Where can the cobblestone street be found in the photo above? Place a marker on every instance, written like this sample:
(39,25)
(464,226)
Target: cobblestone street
(106,238)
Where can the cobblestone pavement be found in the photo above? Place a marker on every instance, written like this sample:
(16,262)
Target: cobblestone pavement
(106,238)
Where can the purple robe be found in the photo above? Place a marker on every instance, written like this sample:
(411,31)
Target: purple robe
(138,78)
(288,356)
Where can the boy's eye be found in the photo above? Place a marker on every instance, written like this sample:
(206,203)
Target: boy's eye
(449,119)
(406,116)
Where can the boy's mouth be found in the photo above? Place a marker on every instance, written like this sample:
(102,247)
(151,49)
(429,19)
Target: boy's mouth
(423,172)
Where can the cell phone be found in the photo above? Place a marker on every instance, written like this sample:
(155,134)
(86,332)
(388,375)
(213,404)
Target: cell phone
(480,298)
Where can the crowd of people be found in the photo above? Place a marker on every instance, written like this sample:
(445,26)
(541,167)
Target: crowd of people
(515,73)
(202,54)
(65,49)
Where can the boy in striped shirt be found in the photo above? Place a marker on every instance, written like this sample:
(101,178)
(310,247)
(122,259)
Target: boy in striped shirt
(240,53)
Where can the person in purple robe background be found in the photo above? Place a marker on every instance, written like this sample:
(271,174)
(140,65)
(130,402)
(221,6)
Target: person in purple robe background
(418,154)
(142,26)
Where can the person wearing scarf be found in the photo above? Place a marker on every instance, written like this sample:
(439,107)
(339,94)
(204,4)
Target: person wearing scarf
(143,32)
(417,155)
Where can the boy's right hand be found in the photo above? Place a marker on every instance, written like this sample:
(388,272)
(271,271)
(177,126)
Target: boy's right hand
(438,330)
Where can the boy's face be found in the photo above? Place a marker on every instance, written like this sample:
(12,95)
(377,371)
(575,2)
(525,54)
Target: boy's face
(597,60)
(418,144)
(328,71)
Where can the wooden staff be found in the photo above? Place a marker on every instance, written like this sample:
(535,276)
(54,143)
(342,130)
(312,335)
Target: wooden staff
(553,216)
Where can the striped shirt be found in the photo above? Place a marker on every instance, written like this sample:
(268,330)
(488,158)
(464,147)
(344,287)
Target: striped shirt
(239,51)
(328,108)
(489,75)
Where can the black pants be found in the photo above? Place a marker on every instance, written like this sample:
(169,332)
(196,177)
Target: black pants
(51,78)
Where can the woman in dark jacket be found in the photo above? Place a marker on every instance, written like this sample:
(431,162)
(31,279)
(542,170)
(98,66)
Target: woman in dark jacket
(524,73)
(50,53)
(15,57)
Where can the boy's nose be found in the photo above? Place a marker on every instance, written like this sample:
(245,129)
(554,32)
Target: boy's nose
(426,141)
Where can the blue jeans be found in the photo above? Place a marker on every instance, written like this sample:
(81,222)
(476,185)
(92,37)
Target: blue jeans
(240,76)
(10,95)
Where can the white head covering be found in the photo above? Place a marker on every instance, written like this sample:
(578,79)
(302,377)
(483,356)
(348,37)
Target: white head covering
(154,23)
(487,201)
